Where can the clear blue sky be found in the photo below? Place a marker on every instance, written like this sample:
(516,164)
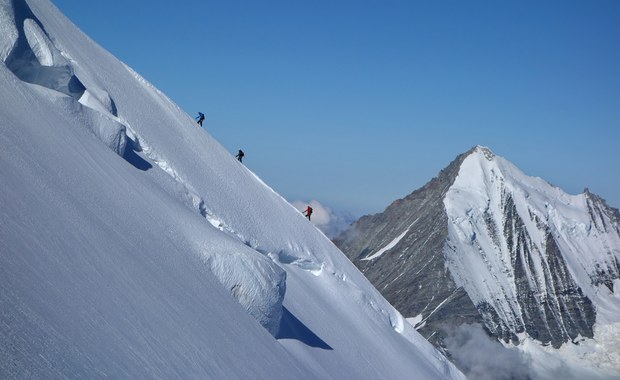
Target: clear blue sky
(358,103)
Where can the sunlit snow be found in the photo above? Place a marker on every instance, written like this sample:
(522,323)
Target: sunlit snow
(133,245)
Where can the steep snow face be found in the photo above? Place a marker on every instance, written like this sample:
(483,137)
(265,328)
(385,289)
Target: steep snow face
(532,258)
(134,245)
(31,55)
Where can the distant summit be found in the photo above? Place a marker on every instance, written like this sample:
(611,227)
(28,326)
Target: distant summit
(485,151)
(485,243)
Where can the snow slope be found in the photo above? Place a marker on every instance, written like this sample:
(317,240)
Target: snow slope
(132,244)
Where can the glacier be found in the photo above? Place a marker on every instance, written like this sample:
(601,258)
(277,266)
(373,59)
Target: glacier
(133,245)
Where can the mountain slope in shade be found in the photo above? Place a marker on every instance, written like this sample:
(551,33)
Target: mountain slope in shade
(485,243)
(133,245)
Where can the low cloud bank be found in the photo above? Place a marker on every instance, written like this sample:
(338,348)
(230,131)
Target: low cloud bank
(481,357)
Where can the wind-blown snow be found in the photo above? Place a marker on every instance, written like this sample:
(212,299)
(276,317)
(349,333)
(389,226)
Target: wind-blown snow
(133,245)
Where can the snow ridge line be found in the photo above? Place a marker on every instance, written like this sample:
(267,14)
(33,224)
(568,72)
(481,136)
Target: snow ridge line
(198,205)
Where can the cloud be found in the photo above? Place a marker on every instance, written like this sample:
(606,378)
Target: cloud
(330,222)
(480,357)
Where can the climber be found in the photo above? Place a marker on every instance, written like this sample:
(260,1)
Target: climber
(308,212)
(240,155)
(200,118)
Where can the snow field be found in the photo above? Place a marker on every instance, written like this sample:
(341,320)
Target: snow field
(134,245)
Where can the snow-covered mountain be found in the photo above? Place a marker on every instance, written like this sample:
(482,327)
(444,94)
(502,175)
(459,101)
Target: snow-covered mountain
(133,245)
(485,243)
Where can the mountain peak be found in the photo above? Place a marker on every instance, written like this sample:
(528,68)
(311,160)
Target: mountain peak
(485,243)
(479,149)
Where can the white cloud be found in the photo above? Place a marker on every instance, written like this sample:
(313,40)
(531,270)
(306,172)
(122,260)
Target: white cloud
(330,222)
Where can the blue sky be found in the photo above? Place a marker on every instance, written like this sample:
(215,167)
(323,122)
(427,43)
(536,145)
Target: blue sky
(358,103)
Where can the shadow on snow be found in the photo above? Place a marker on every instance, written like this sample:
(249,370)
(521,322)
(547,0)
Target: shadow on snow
(293,328)
(133,158)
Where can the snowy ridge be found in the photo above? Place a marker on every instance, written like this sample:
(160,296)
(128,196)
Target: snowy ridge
(134,245)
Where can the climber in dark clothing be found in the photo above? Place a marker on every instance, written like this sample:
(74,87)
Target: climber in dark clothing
(240,155)
(200,118)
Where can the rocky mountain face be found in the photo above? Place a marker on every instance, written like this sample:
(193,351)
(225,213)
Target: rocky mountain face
(409,268)
(484,243)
